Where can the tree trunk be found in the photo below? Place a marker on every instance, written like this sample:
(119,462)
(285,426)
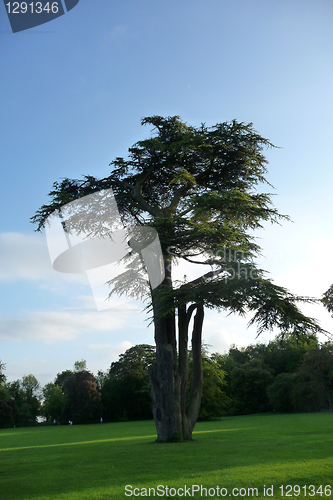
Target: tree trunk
(165,385)
(193,408)
(169,375)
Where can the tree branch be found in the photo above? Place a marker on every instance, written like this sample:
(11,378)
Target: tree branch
(176,199)
(137,194)
(202,278)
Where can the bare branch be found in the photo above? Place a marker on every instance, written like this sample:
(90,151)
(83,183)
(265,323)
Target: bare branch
(137,194)
(202,278)
(176,199)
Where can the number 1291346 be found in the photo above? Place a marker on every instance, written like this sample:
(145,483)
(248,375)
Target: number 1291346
(32,7)
(308,490)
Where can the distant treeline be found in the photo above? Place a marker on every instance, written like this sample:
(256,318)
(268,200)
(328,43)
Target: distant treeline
(284,376)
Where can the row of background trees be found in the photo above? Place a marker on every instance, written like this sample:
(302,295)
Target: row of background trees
(288,376)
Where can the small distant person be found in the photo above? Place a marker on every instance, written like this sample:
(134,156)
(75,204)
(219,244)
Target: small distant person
(70,422)
(54,422)
(101,420)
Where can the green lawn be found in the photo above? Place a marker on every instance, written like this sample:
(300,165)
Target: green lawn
(98,461)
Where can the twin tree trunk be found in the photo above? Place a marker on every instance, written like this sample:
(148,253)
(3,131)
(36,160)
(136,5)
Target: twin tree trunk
(175,412)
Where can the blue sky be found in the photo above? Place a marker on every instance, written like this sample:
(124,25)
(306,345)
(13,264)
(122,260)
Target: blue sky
(73,92)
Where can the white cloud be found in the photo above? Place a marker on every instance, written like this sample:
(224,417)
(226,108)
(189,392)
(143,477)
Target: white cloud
(220,340)
(112,351)
(51,326)
(99,346)
(87,303)
(221,331)
(26,257)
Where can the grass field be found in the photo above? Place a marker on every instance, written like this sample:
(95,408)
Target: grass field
(98,461)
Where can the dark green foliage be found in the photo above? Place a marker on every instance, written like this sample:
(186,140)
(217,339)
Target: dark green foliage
(327,299)
(287,355)
(2,375)
(24,396)
(6,405)
(249,383)
(214,169)
(126,389)
(214,399)
(80,366)
(74,396)
(62,377)
(308,393)
(83,400)
(288,376)
(239,356)
(315,377)
(127,399)
(280,393)
(6,408)
(302,372)
(135,361)
(54,402)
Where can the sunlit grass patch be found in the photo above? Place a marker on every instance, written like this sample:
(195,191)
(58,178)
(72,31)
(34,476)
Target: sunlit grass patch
(98,461)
